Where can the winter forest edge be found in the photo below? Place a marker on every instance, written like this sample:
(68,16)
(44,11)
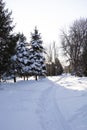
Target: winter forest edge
(19,58)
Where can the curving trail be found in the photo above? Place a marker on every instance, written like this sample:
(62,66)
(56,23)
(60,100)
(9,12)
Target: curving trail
(41,105)
(49,114)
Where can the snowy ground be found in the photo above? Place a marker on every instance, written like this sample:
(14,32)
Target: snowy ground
(53,103)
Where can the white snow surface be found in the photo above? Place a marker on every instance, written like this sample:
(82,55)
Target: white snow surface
(52,103)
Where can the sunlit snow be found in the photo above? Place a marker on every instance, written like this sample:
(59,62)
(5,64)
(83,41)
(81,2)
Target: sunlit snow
(53,103)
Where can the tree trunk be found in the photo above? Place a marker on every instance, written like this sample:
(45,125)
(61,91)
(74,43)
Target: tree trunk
(14,79)
(35,77)
(27,77)
(24,78)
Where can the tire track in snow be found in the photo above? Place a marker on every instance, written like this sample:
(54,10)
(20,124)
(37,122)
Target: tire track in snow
(49,114)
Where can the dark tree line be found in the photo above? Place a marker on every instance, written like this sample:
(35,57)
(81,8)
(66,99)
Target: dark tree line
(7,39)
(74,44)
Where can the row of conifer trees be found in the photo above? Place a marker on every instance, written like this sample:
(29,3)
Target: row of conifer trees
(17,57)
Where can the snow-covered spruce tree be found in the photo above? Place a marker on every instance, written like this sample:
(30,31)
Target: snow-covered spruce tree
(38,67)
(21,59)
(14,66)
(11,73)
(5,38)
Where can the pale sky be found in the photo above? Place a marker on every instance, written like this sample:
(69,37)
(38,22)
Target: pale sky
(49,15)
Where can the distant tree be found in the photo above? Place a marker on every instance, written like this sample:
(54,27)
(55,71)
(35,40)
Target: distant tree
(54,67)
(58,67)
(49,54)
(84,60)
(5,38)
(38,67)
(74,44)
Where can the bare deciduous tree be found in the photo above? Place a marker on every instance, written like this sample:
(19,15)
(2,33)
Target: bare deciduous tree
(54,66)
(73,44)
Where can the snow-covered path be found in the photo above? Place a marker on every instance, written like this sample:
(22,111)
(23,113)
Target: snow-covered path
(30,107)
(51,117)
(44,104)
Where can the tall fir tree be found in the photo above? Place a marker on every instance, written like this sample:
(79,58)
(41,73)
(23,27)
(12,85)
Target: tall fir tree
(38,67)
(21,59)
(6,47)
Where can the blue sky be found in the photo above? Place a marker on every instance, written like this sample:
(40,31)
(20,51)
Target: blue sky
(50,16)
